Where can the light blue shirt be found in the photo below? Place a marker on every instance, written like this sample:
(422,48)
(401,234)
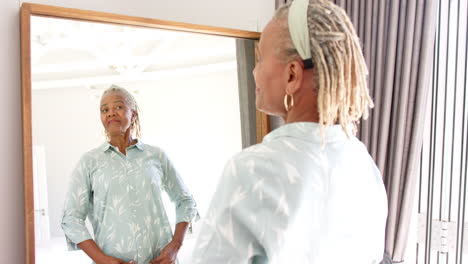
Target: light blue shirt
(292,200)
(121,196)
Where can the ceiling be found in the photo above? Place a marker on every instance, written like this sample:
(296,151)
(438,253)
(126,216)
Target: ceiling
(70,53)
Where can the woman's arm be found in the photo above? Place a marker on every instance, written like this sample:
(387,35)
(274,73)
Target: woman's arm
(95,253)
(186,210)
(169,253)
(186,207)
(77,205)
(179,234)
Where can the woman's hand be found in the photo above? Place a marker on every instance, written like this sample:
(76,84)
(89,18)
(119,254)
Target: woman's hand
(95,253)
(168,255)
(112,260)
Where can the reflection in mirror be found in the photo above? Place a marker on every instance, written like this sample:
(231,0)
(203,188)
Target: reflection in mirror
(186,85)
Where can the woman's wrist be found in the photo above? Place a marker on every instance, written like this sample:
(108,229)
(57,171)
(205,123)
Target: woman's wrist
(177,242)
(179,234)
(101,258)
(93,251)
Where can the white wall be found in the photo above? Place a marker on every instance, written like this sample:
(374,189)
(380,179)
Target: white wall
(241,14)
(11,166)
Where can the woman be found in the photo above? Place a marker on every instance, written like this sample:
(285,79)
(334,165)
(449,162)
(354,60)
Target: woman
(310,192)
(118,187)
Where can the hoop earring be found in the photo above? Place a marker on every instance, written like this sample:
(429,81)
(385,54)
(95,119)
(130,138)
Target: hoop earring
(286,105)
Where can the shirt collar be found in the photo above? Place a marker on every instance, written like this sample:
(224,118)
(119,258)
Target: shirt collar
(106,146)
(309,131)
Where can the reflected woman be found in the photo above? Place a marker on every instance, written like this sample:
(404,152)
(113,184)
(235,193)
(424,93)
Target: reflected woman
(118,187)
(309,193)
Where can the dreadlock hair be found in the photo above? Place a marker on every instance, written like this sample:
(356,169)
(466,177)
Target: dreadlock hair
(339,65)
(130,100)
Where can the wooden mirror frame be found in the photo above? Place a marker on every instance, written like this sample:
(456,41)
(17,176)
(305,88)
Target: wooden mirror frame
(28,10)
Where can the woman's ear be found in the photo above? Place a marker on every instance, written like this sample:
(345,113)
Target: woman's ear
(295,72)
(134,116)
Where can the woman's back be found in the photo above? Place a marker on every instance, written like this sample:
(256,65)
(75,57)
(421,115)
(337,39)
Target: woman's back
(291,201)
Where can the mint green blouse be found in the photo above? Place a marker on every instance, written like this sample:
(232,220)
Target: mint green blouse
(292,199)
(121,196)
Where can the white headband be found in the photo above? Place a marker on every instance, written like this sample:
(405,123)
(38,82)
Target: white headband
(297,22)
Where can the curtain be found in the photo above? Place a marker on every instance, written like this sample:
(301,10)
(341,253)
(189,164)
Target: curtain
(398,43)
(245,53)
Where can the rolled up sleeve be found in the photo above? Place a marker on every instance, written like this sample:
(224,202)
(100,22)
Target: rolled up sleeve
(77,205)
(186,207)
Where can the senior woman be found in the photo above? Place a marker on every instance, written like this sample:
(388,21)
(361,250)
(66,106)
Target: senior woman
(118,187)
(310,192)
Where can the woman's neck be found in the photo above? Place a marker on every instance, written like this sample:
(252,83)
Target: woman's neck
(306,116)
(122,142)
(304,110)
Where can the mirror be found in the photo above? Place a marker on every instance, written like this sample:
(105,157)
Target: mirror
(188,80)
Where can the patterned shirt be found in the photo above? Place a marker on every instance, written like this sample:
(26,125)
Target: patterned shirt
(292,199)
(121,196)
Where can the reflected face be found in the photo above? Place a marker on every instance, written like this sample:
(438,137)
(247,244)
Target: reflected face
(116,115)
(270,73)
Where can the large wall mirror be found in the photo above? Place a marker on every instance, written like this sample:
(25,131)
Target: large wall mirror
(191,83)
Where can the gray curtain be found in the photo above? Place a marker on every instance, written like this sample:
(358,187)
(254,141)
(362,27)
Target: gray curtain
(398,42)
(245,53)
